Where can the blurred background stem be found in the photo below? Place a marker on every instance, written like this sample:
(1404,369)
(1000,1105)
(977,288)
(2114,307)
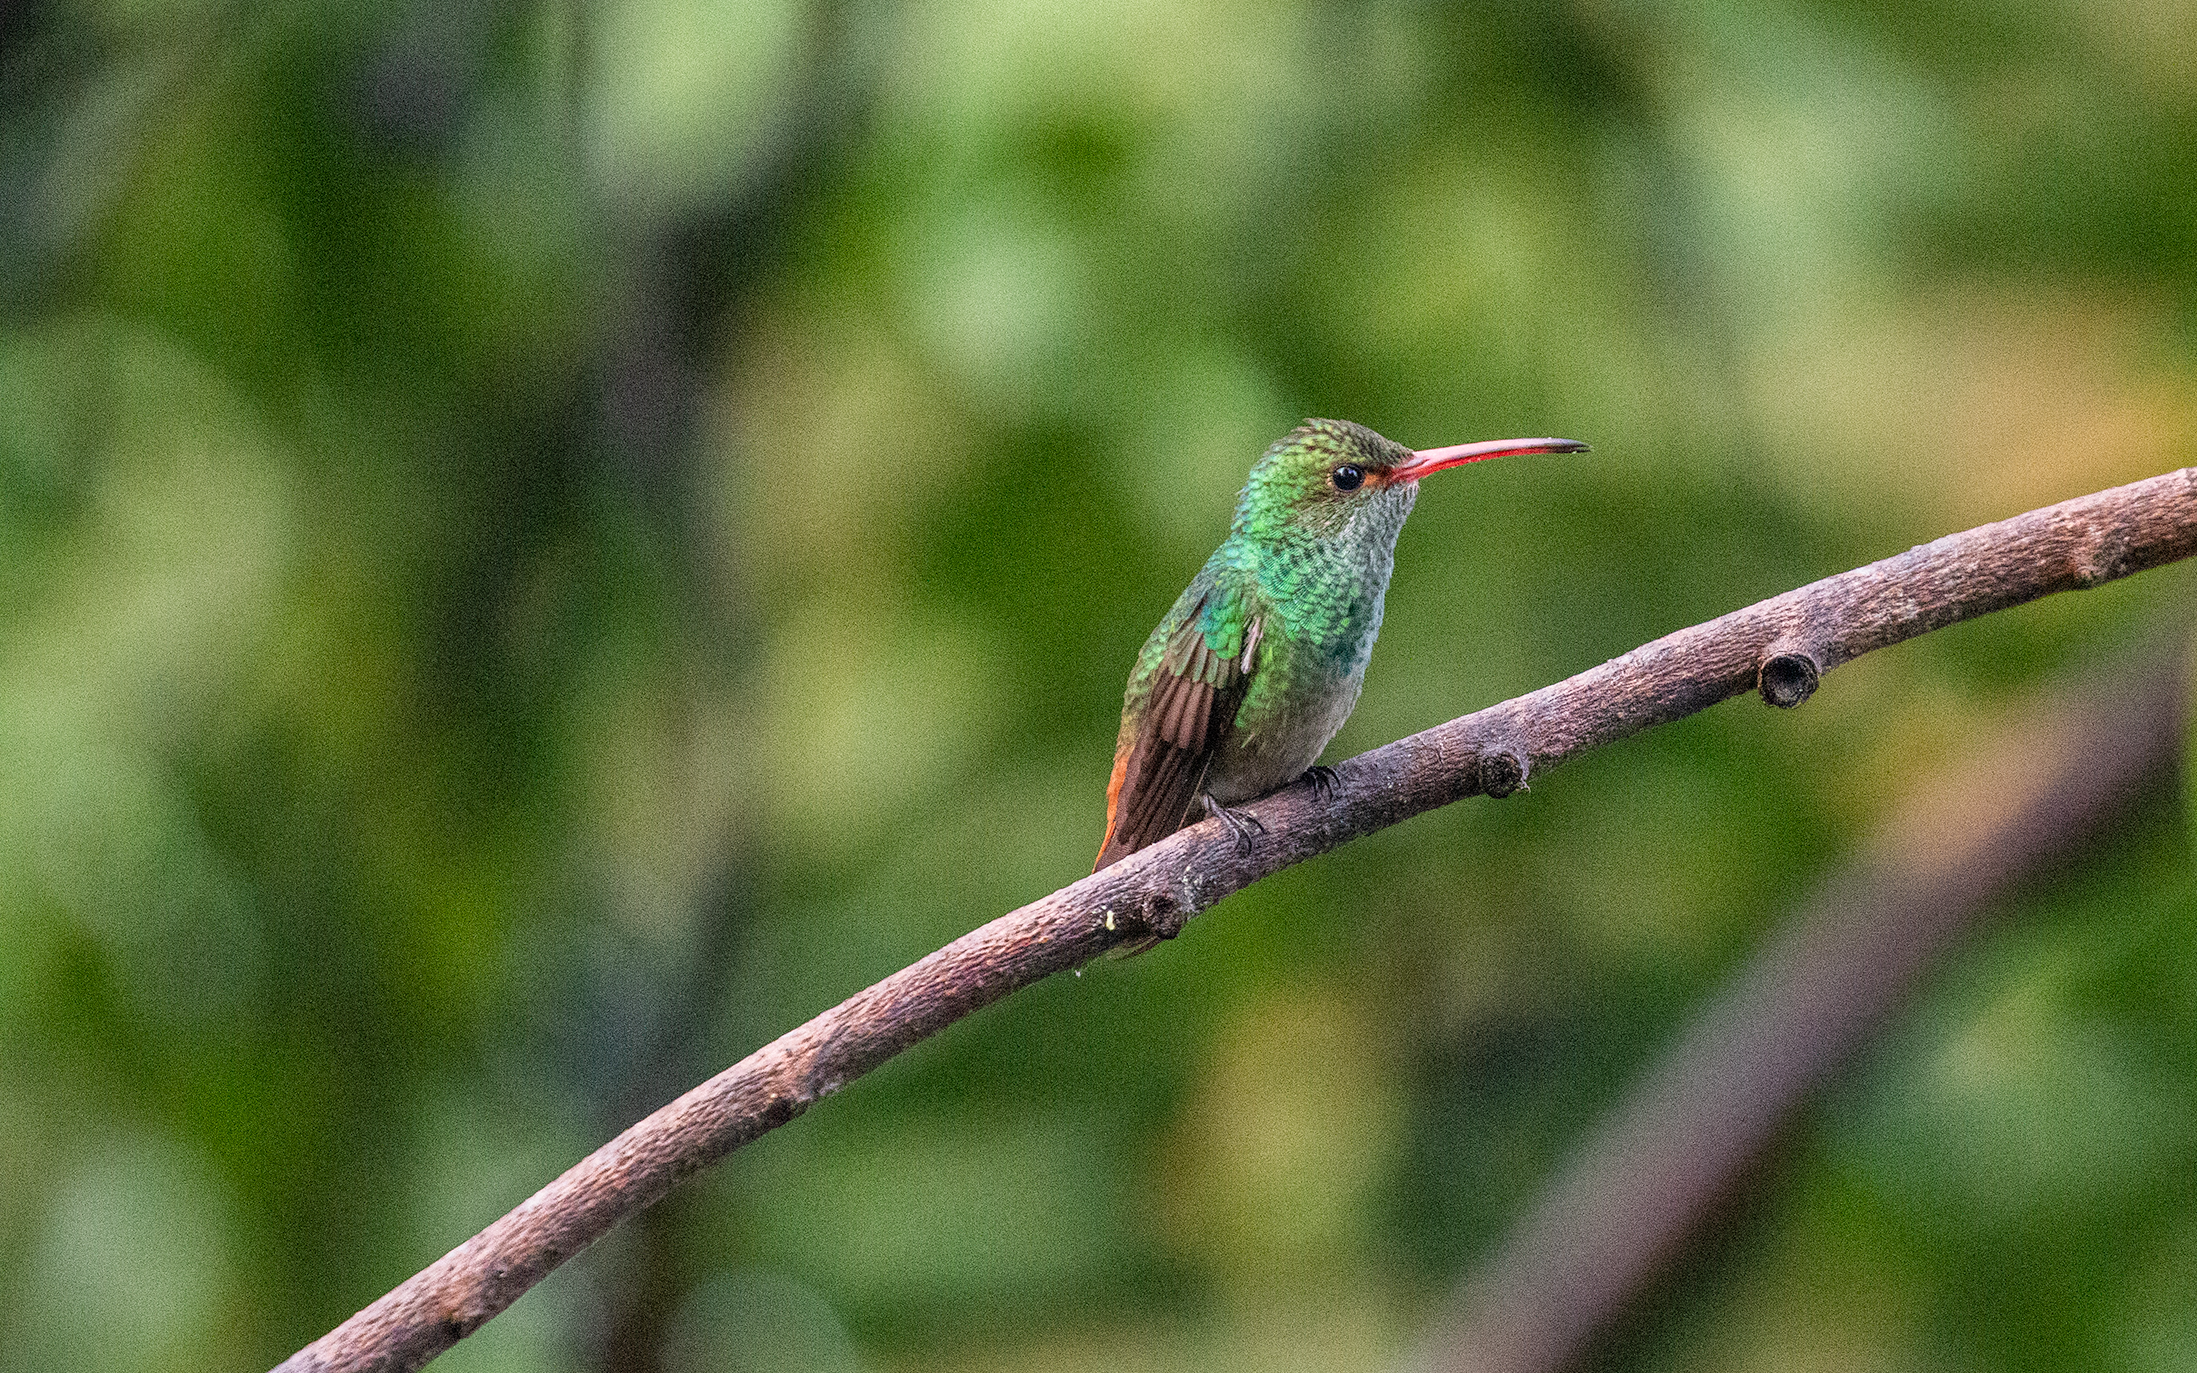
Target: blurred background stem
(1647,1184)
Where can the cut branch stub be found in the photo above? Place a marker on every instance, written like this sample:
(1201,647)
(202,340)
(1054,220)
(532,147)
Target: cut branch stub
(1501,773)
(1789,674)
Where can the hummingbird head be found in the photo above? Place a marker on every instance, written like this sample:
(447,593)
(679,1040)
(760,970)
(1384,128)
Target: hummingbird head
(1335,479)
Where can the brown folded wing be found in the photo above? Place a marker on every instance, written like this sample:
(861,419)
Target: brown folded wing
(1157,778)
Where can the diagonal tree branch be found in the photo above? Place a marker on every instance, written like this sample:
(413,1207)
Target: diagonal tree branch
(1781,646)
(1625,1206)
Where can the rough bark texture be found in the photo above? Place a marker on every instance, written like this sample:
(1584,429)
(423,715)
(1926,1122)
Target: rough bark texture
(1799,636)
(1648,1180)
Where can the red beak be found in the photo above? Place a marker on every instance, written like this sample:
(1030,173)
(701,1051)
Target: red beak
(1429,460)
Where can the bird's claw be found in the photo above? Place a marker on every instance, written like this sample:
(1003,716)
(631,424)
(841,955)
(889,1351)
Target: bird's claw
(1321,779)
(1241,823)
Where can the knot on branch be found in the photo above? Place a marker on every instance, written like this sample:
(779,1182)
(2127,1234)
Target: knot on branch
(2103,559)
(1502,772)
(1788,673)
(1162,915)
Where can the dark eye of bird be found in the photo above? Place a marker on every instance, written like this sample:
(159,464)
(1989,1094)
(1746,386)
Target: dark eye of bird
(1348,477)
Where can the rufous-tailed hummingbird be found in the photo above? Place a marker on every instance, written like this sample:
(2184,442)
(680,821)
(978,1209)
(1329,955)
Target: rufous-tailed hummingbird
(1261,658)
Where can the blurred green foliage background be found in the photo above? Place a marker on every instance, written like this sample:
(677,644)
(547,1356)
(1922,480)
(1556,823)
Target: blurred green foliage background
(542,544)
